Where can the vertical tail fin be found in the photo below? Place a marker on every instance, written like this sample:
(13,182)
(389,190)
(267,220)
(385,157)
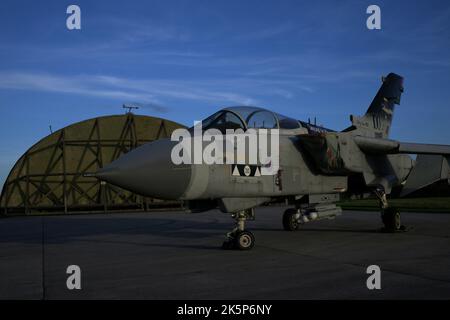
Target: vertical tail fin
(377,120)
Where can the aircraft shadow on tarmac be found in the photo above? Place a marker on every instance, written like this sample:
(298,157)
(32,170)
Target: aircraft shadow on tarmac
(328,230)
(60,230)
(70,229)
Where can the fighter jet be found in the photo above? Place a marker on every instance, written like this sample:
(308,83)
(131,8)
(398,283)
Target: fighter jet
(315,166)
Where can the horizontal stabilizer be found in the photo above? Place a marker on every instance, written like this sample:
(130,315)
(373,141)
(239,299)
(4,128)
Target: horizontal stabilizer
(387,146)
(421,148)
(428,169)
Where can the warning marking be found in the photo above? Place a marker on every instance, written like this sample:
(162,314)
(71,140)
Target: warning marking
(245,170)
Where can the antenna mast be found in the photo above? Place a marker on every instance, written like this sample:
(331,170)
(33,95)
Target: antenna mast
(129,107)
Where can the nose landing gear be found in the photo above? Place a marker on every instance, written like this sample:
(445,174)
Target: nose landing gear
(239,237)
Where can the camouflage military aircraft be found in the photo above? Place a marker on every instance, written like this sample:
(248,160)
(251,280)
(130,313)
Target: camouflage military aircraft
(315,166)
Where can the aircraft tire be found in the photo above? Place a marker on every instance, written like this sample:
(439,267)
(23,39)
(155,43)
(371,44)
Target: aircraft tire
(290,222)
(391,219)
(244,240)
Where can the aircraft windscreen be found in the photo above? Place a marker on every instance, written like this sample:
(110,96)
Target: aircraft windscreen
(287,123)
(262,119)
(253,117)
(256,117)
(222,120)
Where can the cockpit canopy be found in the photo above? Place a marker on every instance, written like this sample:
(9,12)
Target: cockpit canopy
(248,117)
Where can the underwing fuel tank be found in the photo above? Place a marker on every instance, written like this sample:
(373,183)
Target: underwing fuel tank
(323,211)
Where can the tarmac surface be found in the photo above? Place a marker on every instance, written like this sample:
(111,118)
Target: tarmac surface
(173,255)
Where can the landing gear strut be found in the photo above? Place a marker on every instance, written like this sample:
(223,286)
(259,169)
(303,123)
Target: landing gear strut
(390,216)
(239,237)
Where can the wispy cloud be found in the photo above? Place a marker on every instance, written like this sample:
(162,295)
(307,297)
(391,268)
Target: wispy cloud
(147,91)
(142,32)
(65,84)
(266,33)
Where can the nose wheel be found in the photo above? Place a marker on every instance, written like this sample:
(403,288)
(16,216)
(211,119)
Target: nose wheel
(240,238)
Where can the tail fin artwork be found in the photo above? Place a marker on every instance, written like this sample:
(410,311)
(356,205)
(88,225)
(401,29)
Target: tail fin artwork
(377,120)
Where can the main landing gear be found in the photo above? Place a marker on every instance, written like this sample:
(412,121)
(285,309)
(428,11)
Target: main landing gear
(239,237)
(390,216)
(291,219)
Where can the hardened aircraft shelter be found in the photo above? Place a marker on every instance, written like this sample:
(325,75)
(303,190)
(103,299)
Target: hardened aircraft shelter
(53,175)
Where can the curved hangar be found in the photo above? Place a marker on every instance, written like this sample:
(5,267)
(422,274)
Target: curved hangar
(50,176)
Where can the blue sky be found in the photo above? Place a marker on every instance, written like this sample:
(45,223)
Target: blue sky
(300,58)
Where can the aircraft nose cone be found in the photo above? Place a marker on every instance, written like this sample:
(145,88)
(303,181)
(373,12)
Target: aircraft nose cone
(149,171)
